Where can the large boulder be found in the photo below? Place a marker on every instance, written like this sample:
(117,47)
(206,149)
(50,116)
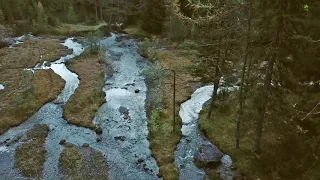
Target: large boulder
(208,155)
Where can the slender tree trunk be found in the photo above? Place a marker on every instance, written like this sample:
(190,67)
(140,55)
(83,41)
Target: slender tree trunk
(265,96)
(268,79)
(110,19)
(101,11)
(216,81)
(241,95)
(96,9)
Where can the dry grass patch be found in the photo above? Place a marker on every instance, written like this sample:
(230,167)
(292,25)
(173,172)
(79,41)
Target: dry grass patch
(77,29)
(25,93)
(82,163)
(30,156)
(30,53)
(89,96)
(163,140)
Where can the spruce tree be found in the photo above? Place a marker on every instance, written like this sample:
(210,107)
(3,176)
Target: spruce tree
(71,15)
(154,16)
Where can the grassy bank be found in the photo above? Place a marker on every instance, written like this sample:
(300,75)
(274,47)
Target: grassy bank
(30,156)
(25,92)
(89,96)
(163,140)
(136,31)
(82,163)
(63,29)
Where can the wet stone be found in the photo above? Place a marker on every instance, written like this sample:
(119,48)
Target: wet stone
(139,161)
(130,84)
(121,138)
(85,145)
(208,155)
(126,117)
(99,130)
(137,91)
(123,110)
(63,142)
(99,139)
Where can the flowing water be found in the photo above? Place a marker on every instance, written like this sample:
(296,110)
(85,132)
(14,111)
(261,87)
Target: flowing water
(123,119)
(123,116)
(192,139)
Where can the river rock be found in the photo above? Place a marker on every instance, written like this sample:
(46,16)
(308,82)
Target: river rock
(139,161)
(123,110)
(99,139)
(121,138)
(85,145)
(130,84)
(226,161)
(208,155)
(137,91)
(63,142)
(99,130)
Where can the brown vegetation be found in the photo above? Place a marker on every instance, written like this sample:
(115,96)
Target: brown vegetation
(89,96)
(25,92)
(30,156)
(30,53)
(82,163)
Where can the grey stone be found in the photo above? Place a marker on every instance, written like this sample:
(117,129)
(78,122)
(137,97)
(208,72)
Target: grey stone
(123,110)
(208,155)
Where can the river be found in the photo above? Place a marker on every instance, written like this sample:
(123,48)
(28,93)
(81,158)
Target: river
(124,144)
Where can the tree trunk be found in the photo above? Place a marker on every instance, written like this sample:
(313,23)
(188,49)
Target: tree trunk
(268,80)
(265,96)
(216,81)
(96,9)
(241,94)
(101,11)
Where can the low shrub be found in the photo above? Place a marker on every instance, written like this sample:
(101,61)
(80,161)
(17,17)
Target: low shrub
(188,44)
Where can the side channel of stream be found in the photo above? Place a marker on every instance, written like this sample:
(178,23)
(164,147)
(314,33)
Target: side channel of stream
(192,140)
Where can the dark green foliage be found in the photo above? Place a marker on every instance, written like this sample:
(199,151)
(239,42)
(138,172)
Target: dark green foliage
(175,29)
(154,16)
(71,15)
(93,39)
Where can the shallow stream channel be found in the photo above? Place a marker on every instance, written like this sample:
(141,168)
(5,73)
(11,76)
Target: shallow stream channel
(124,140)
(122,118)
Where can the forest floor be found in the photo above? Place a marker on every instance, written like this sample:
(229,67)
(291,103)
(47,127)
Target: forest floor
(285,149)
(25,92)
(88,97)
